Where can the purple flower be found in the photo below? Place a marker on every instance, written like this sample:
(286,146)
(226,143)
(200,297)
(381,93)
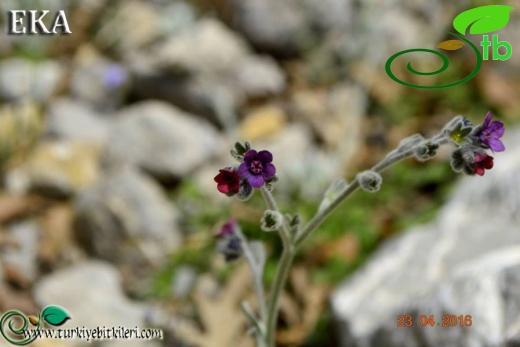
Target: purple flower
(482,163)
(115,76)
(490,134)
(257,168)
(228,181)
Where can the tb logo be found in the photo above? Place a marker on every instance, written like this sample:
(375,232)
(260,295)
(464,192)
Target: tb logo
(479,20)
(495,45)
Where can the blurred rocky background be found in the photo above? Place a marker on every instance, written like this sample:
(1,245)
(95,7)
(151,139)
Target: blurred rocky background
(111,137)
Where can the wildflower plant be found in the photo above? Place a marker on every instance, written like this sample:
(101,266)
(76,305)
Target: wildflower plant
(256,171)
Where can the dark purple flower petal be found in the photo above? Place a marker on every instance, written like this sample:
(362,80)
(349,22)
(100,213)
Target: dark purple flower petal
(250,156)
(257,168)
(256,181)
(265,157)
(243,171)
(496,145)
(269,171)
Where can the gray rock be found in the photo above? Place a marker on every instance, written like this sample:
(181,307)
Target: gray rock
(464,263)
(92,294)
(335,115)
(127,219)
(279,27)
(74,120)
(330,14)
(203,65)
(47,76)
(134,25)
(20,71)
(24,257)
(207,47)
(258,76)
(162,140)
(196,95)
(22,79)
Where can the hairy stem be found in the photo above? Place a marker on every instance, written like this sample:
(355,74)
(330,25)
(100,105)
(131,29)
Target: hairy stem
(257,271)
(282,272)
(259,336)
(320,217)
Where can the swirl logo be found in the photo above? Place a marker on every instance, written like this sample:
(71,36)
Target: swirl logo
(479,20)
(14,325)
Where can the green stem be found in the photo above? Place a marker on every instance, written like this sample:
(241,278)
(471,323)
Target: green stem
(291,245)
(282,272)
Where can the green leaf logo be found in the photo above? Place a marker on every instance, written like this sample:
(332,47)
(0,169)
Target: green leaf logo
(483,19)
(55,315)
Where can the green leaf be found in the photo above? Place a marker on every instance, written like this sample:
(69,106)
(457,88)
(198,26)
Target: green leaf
(483,19)
(55,315)
(333,191)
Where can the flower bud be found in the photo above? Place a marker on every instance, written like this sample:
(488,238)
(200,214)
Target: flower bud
(425,151)
(370,181)
(409,142)
(271,221)
(471,160)
(294,222)
(229,244)
(245,191)
(230,247)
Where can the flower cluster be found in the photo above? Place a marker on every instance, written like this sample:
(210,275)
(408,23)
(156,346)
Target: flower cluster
(256,170)
(471,157)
